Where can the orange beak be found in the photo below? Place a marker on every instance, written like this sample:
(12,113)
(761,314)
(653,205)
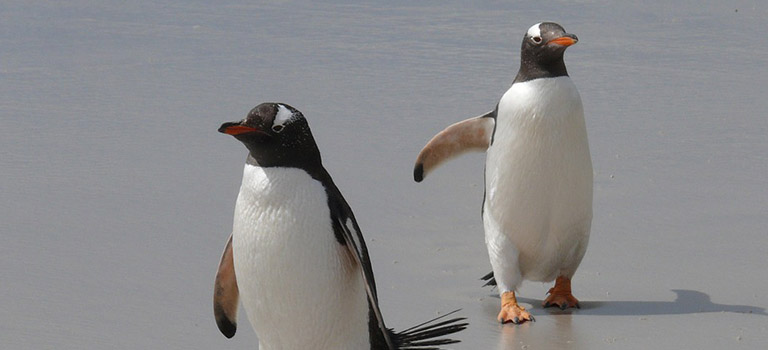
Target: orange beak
(239,129)
(563,41)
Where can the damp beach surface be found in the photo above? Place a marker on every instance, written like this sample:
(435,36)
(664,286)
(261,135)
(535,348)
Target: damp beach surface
(117,192)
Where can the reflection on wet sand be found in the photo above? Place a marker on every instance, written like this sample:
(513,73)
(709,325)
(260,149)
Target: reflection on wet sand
(552,330)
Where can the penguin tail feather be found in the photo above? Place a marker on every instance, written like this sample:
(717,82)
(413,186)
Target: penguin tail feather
(426,335)
(489,279)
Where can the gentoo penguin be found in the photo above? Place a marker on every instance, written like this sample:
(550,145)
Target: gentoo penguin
(296,256)
(537,208)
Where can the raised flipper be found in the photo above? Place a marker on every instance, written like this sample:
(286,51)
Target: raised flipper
(226,295)
(473,134)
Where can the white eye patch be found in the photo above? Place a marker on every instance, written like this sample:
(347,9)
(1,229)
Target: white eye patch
(284,116)
(534,31)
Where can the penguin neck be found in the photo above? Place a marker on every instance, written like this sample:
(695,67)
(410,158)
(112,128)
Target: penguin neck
(284,159)
(531,69)
(299,151)
(311,163)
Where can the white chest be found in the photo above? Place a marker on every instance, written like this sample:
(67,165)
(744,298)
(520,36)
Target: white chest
(297,283)
(540,115)
(538,169)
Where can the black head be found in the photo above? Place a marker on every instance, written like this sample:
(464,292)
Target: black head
(275,134)
(541,55)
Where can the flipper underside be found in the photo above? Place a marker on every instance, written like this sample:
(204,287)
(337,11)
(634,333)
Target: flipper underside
(473,134)
(226,295)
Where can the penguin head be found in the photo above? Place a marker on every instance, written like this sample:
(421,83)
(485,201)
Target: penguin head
(275,134)
(542,50)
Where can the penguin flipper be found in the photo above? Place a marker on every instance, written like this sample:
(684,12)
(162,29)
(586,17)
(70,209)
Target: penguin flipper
(473,134)
(226,295)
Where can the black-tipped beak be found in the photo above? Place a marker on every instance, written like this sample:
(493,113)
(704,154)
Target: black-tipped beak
(237,128)
(565,40)
(223,128)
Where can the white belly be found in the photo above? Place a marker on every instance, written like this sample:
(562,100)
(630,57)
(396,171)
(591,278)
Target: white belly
(539,178)
(298,286)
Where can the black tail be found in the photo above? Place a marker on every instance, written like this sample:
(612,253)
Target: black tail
(489,279)
(423,336)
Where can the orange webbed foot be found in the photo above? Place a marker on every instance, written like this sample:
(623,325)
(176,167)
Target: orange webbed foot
(511,311)
(563,301)
(560,295)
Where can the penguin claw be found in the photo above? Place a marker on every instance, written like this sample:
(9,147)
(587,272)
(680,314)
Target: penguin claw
(514,314)
(562,301)
(560,295)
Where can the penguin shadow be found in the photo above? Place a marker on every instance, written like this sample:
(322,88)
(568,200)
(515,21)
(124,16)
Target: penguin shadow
(686,302)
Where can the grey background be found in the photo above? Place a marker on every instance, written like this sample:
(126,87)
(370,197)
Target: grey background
(116,191)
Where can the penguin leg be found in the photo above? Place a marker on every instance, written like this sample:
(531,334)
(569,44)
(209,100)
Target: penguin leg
(504,257)
(560,295)
(511,311)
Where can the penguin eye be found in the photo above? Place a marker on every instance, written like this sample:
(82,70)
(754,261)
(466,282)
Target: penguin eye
(536,39)
(277,128)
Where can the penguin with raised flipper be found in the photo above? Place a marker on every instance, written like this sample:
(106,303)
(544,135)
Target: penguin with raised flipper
(537,208)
